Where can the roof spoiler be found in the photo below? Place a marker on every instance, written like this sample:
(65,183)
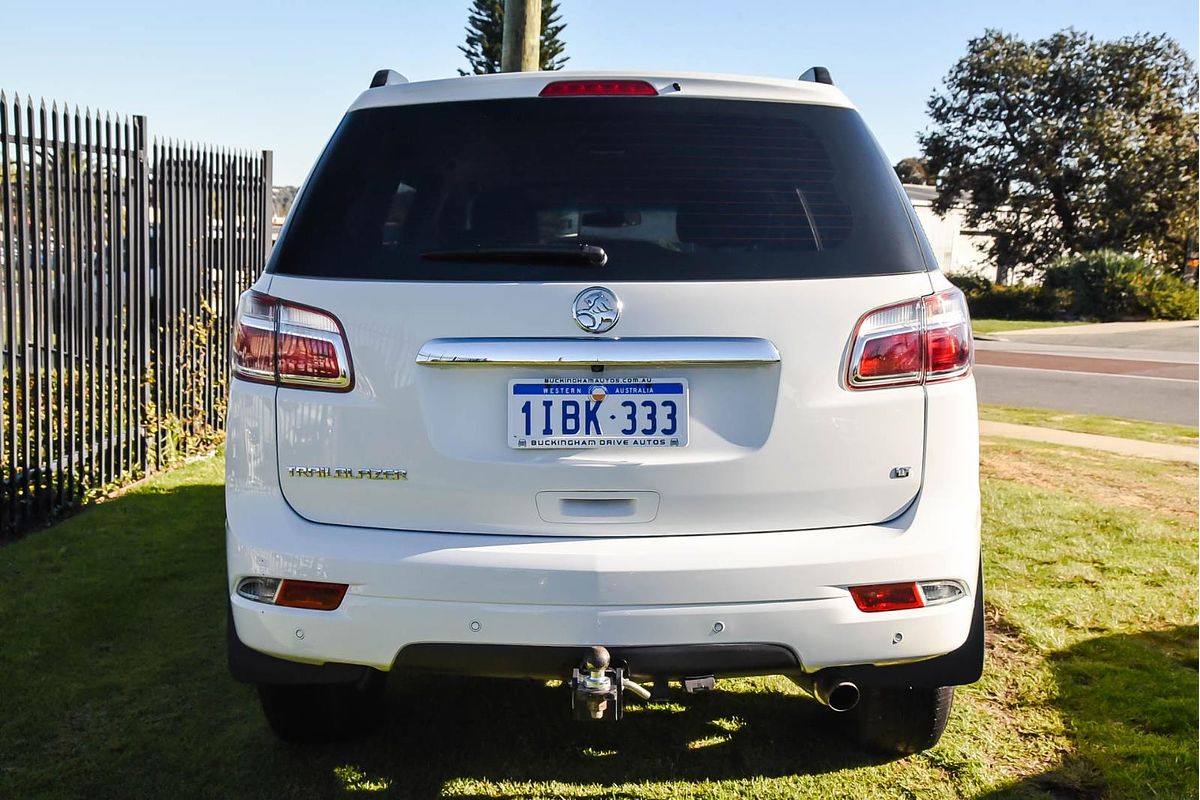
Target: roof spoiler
(387,77)
(817,75)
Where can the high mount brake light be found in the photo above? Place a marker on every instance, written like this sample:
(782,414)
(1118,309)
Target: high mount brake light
(923,340)
(287,344)
(609,88)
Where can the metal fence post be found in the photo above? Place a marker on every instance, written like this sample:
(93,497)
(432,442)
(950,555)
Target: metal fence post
(141,239)
(268,212)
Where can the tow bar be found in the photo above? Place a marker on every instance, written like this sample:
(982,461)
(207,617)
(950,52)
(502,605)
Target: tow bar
(598,689)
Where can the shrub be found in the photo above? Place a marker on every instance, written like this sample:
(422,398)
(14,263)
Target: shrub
(1168,297)
(1107,285)
(1101,285)
(971,285)
(988,300)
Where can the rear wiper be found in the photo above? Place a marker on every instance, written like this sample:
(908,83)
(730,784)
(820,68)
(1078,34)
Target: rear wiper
(588,255)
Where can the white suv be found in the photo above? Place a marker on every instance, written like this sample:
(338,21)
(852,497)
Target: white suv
(610,378)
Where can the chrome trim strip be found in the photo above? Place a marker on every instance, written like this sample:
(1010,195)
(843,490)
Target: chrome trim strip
(682,351)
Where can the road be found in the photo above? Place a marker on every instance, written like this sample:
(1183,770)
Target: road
(1135,370)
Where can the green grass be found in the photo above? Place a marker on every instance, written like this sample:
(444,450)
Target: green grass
(986,326)
(115,683)
(1090,423)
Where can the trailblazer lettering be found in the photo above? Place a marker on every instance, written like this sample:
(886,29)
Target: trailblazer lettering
(349,473)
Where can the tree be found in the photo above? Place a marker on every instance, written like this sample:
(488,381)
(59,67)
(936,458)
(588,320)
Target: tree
(1068,145)
(282,198)
(914,171)
(485,36)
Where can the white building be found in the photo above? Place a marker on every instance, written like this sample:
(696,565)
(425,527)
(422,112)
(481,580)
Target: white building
(959,249)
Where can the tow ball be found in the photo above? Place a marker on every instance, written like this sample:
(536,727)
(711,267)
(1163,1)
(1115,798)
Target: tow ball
(598,688)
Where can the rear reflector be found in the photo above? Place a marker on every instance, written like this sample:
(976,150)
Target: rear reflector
(610,88)
(311,594)
(886,596)
(288,344)
(922,340)
(315,595)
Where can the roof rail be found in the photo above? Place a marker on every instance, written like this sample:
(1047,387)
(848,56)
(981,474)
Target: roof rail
(387,77)
(817,75)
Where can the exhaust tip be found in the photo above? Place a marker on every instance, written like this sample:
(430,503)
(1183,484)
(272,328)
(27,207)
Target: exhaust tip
(829,691)
(842,696)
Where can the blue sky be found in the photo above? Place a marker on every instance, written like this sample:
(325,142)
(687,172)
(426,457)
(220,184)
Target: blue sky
(278,75)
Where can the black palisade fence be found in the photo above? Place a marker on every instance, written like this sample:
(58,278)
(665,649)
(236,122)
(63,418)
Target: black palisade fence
(121,262)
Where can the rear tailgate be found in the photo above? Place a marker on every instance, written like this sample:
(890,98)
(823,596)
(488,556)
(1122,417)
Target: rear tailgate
(771,447)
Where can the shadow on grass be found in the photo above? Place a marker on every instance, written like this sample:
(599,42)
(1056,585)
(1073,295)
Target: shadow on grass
(442,729)
(1131,703)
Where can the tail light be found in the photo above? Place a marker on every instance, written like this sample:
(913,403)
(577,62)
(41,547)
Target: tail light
(287,344)
(947,336)
(923,340)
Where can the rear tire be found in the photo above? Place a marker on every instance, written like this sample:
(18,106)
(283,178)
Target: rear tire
(902,720)
(317,713)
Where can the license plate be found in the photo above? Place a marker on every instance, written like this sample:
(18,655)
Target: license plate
(552,413)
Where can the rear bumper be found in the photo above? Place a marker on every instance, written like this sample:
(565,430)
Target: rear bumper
(375,631)
(961,666)
(784,590)
(459,602)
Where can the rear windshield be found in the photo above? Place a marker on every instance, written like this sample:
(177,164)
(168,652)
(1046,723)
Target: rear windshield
(671,189)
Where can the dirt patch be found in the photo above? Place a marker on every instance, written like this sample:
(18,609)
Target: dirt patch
(1105,478)
(1003,644)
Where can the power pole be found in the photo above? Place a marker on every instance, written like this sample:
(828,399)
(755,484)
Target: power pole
(522,36)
